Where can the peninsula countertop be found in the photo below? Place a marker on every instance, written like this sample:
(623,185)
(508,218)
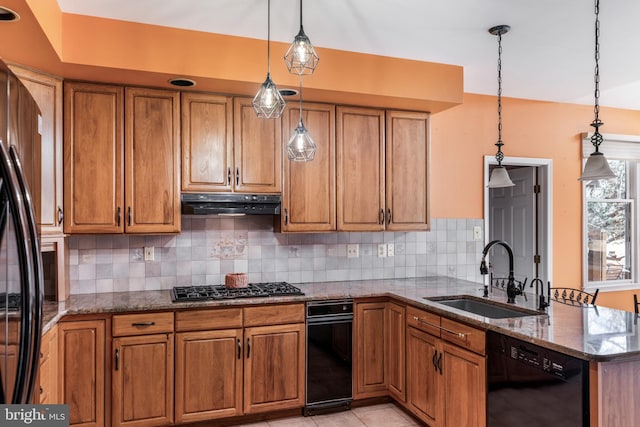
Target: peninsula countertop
(590,333)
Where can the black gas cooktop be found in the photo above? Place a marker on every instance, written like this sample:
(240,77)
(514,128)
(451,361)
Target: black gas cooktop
(253,290)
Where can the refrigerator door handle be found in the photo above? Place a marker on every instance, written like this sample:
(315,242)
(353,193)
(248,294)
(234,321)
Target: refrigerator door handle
(31,272)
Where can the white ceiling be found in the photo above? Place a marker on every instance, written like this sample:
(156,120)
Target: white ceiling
(547,55)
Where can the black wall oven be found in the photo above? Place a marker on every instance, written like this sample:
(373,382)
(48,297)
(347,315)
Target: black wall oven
(329,350)
(531,386)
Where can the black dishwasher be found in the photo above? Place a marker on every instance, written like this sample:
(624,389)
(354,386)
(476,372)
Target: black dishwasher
(531,386)
(329,350)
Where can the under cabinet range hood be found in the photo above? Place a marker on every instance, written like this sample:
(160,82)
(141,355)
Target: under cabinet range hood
(231,204)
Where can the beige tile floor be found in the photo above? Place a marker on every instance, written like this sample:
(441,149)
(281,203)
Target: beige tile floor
(384,415)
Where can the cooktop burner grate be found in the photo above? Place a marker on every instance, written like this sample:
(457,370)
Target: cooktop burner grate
(253,290)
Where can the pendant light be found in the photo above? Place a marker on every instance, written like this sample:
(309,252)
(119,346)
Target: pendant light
(597,166)
(499,175)
(301,147)
(301,58)
(268,102)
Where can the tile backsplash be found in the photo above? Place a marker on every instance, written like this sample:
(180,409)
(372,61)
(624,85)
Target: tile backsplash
(209,247)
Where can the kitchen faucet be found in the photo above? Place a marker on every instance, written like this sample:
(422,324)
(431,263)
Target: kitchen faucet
(512,289)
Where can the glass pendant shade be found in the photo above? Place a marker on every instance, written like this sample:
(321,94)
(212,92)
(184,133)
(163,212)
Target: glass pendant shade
(597,167)
(499,178)
(301,147)
(301,58)
(268,102)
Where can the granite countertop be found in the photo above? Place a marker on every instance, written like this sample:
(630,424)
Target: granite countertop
(591,333)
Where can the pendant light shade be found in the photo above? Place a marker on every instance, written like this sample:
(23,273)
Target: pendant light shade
(301,57)
(268,102)
(597,166)
(499,176)
(301,147)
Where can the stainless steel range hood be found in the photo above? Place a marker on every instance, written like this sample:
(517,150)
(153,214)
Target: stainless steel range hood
(231,204)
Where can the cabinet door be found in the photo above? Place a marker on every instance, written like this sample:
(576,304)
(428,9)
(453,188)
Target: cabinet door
(464,387)
(82,350)
(274,367)
(309,195)
(208,375)
(207,142)
(47,392)
(424,380)
(142,380)
(407,170)
(360,169)
(46,90)
(370,347)
(93,152)
(152,161)
(395,336)
(257,150)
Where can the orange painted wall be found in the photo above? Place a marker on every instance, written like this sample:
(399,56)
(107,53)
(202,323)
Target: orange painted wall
(462,135)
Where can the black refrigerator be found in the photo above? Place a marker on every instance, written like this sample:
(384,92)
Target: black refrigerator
(21,283)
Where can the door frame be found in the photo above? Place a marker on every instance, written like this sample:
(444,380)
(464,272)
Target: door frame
(545,206)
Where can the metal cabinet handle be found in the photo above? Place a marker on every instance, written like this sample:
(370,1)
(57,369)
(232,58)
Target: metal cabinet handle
(117,358)
(129,215)
(237,176)
(248,347)
(457,334)
(382,216)
(389,216)
(143,323)
(60,215)
(239,349)
(229,176)
(440,363)
(119,215)
(41,390)
(433,360)
(424,322)
(286,216)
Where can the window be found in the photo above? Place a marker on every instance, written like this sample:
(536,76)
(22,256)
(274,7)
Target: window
(610,219)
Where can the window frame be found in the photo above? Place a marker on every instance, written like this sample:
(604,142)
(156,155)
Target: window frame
(615,147)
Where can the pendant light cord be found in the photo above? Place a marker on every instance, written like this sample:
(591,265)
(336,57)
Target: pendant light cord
(596,138)
(268,37)
(300,13)
(499,144)
(300,101)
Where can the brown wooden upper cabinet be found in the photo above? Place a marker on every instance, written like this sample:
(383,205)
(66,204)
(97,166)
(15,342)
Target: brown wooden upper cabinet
(309,193)
(382,171)
(46,90)
(113,184)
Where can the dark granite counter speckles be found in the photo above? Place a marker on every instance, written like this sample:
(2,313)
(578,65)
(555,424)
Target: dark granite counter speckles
(591,333)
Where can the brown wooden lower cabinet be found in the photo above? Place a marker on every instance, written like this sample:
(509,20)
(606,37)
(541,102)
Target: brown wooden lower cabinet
(208,375)
(274,367)
(369,349)
(423,380)
(47,389)
(82,371)
(395,336)
(142,380)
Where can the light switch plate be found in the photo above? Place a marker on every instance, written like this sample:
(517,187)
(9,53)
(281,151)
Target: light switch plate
(477,233)
(149,253)
(391,251)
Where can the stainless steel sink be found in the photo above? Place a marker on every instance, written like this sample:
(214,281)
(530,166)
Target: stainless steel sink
(483,307)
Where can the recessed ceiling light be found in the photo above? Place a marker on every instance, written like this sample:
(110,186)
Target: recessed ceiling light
(288,92)
(182,82)
(8,15)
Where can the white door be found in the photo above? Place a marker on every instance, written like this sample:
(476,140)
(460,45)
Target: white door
(512,216)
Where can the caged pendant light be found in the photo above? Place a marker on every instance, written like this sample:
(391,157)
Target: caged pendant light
(499,175)
(301,58)
(301,147)
(268,102)
(597,166)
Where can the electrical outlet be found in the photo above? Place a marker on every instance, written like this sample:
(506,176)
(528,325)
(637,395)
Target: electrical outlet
(382,250)
(477,233)
(391,251)
(149,253)
(353,251)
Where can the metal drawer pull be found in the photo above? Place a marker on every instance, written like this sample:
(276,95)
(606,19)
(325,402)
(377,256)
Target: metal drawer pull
(237,176)
(119,215)
(388,216)
(419,320)
(239,349)
(248,347)
(60,215)
(129,215)
(458,334)
(433,360)
(229,176)
(143,323)
(382,216)
(117,358)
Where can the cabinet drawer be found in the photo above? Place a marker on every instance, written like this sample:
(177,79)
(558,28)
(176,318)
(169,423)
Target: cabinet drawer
(424,321)
(206,320)
(463,335)
(142,324)
(273,314)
